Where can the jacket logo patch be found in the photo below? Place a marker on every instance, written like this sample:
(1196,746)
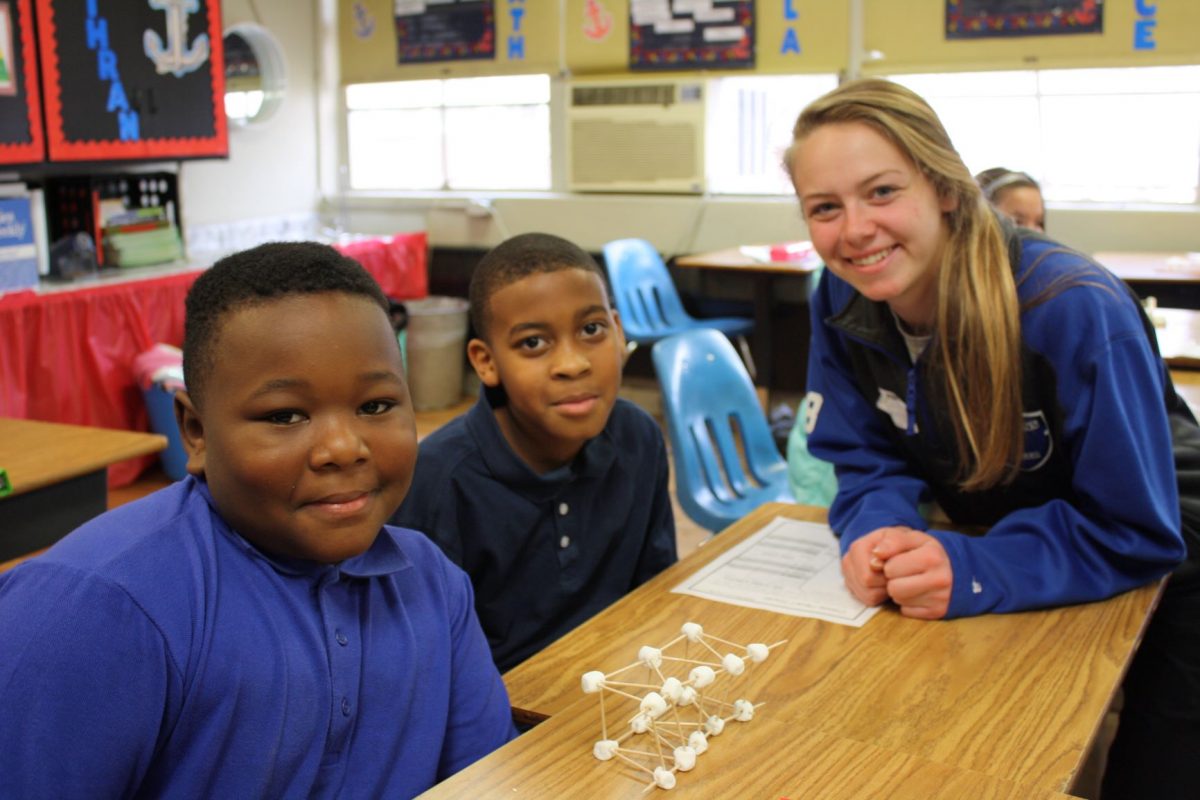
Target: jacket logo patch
(812,407)
(891,404)
(1038,444)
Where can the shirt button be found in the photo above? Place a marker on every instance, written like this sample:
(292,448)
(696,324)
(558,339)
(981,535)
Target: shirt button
(345,707)
(341,638)
(563,508)
(564,542)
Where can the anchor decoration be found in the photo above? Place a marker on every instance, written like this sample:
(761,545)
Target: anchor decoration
(175,56)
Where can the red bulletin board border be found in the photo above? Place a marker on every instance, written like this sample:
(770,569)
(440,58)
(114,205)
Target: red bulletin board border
(101,150)
(35,149)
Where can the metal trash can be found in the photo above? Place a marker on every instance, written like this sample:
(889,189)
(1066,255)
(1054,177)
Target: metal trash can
(436,344)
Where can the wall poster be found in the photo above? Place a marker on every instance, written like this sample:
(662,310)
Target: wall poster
(691,34)
(444,30)
(981,19)
(21,135)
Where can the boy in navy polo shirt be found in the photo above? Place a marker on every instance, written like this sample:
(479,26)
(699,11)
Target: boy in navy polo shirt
(551,492)
(254,630)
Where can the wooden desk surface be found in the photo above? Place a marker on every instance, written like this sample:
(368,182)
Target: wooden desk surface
(1012,696)
(734,259)
(1151,267)
(770,757)
(37,454)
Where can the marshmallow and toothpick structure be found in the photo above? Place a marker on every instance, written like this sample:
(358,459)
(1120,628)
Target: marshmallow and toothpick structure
(678,715)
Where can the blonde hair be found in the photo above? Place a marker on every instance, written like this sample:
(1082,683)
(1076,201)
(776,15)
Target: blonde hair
(977,325)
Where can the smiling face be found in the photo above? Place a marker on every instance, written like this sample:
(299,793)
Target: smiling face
(556,346)
(877,222)
(1023,205)
(306,436)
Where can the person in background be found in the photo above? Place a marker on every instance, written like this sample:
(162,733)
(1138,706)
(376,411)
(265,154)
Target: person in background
(255,630)
(958,359)
(551,492)
(1016,195)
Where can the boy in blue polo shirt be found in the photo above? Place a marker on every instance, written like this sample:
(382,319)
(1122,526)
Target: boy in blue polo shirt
(254,630)
(550,492)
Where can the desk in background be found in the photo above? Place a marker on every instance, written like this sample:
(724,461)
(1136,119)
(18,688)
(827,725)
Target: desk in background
(763,273)
(1173,278)
(66,351)
(58,479)
(1013,700)
(1178,336)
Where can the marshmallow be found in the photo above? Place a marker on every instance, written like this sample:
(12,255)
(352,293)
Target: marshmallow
(687,696)
(672,688)
(653,705)
(605,749)
(733,664)
(650,656)
(714,725)
(698,742)
(592,681)
(664,778)
(685,758)
(640,723)
(701,676)
(743,710)
(757,652)
(692,630)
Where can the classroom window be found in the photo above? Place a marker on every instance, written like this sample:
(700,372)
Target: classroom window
(1099,135)
(457,134)
(749,125)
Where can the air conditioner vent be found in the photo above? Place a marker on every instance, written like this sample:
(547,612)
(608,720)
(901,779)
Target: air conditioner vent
(656,94)
(634,136)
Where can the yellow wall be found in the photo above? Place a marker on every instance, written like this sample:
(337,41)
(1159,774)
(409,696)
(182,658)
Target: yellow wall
(792,36)
(371,56)
(910,35)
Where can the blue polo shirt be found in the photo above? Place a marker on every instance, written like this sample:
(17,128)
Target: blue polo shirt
(544,552)
(154,652)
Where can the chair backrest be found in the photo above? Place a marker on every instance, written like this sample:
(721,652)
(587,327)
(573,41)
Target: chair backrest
(643,290)
(710,405)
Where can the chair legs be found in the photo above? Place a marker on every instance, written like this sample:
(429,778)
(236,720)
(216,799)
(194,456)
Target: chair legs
(747,357)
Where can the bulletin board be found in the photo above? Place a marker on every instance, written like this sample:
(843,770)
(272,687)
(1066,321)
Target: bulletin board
(682,36)
(117,96)
(449,31)
(21,139)
(979,19)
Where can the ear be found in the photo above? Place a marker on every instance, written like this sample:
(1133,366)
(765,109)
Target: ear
(619,335)
(948,202)
(479,353)
(191,430)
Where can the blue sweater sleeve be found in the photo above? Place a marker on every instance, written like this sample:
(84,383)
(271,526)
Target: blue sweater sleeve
(86,682)
(1119,531)
(875,486)
(480,717)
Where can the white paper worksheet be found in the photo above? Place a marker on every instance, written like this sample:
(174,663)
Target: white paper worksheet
(790,567)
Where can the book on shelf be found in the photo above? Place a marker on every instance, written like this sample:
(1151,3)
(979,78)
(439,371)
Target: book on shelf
(141,237)
(18,243)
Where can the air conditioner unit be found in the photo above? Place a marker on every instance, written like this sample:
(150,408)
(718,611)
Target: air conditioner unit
(636,136)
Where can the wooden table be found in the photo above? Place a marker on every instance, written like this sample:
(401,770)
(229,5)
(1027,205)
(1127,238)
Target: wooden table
(1187,383)
(1173,278)
(59,478)
(1006,701)
(763,273)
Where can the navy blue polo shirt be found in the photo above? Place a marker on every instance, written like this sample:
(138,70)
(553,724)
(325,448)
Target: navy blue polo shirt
(544,552)
(154,652)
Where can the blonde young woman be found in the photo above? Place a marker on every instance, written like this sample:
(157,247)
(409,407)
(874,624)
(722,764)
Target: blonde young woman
(1007,378)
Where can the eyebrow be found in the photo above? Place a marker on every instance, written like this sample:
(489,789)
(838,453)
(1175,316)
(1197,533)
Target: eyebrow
(537,325)
(286,384)
(864,182)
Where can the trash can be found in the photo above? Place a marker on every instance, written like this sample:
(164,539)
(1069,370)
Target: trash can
(436,342)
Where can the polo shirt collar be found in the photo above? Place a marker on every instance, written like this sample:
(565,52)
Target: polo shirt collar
(502,461)
(383,557)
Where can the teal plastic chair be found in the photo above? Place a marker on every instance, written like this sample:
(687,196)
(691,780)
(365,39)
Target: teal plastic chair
(647,300)
(710,404)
